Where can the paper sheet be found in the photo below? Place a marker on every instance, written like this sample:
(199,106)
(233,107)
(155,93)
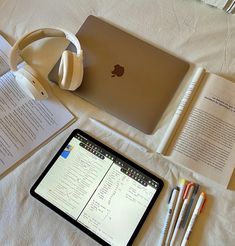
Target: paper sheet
(24,123)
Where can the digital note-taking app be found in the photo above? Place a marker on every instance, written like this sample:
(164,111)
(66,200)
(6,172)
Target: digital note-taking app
(66,151)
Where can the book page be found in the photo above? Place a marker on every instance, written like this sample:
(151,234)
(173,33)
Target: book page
(4,53)
(206,140)
(24,123)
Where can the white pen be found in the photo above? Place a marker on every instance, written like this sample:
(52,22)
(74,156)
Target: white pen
(187,196)
(198,209)
(188,213)
(181,110)
(119,134)
(182,185)
(172,201)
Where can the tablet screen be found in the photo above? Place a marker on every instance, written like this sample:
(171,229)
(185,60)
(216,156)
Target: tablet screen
(98,189)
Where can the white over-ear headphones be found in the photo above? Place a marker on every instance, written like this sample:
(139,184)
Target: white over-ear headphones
(70,69)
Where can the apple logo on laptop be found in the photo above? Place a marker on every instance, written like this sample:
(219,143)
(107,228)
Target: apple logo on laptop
(118,71)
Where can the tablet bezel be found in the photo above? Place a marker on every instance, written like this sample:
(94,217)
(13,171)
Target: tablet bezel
(76,223)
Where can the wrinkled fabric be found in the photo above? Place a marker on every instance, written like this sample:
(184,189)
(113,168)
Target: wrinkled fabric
(189,29)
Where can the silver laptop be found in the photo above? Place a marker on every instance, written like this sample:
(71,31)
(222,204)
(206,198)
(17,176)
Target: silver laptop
(126,76)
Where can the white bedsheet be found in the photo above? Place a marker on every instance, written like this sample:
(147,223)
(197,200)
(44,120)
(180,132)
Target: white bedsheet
(190,29)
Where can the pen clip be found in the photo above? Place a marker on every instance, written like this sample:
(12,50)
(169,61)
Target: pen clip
(189,185)
(196,188)
(175,188)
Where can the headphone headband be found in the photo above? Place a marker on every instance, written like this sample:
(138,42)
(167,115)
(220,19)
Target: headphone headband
(37,35)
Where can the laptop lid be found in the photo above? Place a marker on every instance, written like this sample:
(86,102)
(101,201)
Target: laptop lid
(125,76)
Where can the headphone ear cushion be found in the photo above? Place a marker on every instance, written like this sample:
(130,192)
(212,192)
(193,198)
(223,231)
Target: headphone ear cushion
(70,70)
(28,80)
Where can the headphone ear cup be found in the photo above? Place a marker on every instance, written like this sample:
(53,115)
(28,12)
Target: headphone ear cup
(70,70)
(29,82)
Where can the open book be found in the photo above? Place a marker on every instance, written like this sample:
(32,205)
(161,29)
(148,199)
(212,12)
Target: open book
(226,5)
(201,135)
(25,124)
